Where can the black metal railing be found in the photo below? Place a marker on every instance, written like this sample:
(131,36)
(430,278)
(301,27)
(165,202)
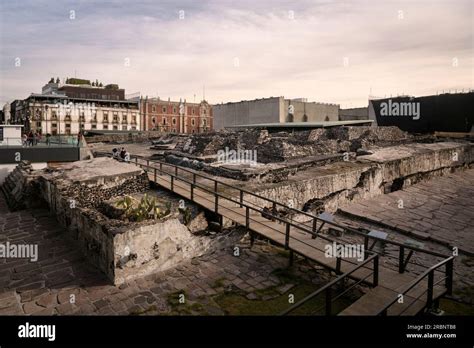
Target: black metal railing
(328,289)
(429,274)
(313,227)
(180,181)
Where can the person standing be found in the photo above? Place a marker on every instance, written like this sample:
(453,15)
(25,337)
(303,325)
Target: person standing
(79,138)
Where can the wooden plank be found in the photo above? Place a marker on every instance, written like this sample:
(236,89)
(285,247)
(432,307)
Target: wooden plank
(390,282)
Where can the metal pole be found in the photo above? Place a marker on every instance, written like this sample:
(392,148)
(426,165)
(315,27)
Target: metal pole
(247,217)
(429,300)
(449,276)
(241,198)
(172,179)
(401,257)
(216,205)
(376,271)
(287,235)
(314,227)
(154,173)
(192,191)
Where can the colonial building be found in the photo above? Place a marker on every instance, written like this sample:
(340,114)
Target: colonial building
(77,105)
(176,117)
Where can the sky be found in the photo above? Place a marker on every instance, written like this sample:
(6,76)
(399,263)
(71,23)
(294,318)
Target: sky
(326,51)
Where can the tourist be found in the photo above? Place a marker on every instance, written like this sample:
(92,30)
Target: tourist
(25,139)
(79,138)
(122,153)
(48,139)
(30,138)
(115,153)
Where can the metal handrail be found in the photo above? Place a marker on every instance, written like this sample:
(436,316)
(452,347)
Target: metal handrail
(248,208)
(241,191)
(374,257)
(430,273)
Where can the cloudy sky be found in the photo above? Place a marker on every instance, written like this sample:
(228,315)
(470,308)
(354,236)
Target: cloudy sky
(327,51)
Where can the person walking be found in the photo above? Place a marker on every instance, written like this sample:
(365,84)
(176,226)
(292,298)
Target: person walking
(79,139)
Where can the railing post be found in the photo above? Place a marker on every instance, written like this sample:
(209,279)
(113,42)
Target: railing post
(429,300)
(154,173)
(274,210)
(136,161)
(147,163)
(192,191)
(247,217)
(215,186)
(401,257)
(176,170)
(241,198)
(194,178)
(287,236)
(376,271)
(161,168)
(172,183)
(449,276)
(366,246)
(216,205)
(328,301)
(338,265)
(314,227)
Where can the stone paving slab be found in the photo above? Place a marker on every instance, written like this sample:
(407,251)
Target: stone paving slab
(440,210)
(61,282)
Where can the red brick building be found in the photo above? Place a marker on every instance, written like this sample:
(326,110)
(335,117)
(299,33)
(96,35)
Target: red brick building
(176,117)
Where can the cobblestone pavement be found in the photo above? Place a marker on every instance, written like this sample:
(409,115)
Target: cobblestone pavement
(438,213)
(61,275)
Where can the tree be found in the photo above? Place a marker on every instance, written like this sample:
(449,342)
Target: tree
(93,84)
(57,80)
(52,80)
(96,82)
(100,84)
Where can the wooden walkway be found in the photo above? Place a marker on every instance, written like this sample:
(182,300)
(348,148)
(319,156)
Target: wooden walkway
(389,283)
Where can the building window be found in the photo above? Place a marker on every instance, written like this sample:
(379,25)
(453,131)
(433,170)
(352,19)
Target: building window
(106,126)
(134,128)
(204,122)
(192,111)
(164,109)
(193,131)
(174,121)
(174,110)
(203,111)
(115,127)
(38,124)
(193,122)
(153,108)
(153,120)
(164,120)
(174,130)
(68,125)
(54,125)
(124,127)
(94,126)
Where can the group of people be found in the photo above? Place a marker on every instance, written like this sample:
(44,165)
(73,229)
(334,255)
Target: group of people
(31,138)
(121,154)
